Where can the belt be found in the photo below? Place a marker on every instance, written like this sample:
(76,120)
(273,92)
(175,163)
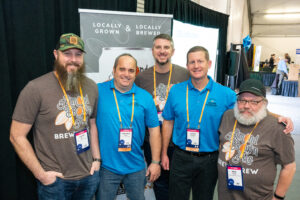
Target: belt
(197,154)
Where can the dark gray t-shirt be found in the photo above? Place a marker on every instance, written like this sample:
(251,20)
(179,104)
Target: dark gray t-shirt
(267,147)
(43,104)
(145,80)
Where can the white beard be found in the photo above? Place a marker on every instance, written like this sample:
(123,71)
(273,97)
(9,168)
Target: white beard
(250,120)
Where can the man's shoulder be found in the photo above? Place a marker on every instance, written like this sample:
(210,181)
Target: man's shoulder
(223,89)
(41,81)
(272,121)
(142,92)
(103,85)
(229,114)
(146,72)
(179,68)
(179,86)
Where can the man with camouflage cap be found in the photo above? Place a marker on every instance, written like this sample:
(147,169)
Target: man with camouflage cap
(61,108)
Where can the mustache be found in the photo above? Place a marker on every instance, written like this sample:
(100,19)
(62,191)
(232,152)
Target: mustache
(73,63)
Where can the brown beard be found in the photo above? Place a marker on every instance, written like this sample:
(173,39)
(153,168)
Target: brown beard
(72,80)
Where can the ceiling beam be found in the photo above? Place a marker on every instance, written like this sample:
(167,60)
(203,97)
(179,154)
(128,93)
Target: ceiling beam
(285,24)
(249,17)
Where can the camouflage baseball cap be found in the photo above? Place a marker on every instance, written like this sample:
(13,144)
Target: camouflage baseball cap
(68,41)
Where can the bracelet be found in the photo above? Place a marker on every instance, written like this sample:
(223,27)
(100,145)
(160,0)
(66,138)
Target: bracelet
(155,162)
(278,197)
(97,160)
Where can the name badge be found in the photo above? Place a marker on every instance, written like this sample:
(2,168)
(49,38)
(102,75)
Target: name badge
(160,117)
(235,177)
(192,139)
(125,140)
(82,141)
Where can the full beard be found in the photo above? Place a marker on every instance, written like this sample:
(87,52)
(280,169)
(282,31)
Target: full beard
(70,80)
(250,120)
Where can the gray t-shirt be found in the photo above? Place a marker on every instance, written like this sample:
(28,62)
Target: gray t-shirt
(145,80)
(42,103)
(267,147)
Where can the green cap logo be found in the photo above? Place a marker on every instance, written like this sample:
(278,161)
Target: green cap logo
(69,41)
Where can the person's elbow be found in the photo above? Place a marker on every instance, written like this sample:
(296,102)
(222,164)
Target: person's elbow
(291,168)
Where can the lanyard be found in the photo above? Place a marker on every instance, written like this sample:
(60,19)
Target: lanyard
(132,111)
(247,137)
(154,81)
(68,101)
(187,107)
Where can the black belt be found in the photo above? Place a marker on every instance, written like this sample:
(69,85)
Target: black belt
(197,154)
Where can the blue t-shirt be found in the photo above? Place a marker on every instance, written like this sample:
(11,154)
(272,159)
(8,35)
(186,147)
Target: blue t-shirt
(219,100)
(282,66)
(108,126)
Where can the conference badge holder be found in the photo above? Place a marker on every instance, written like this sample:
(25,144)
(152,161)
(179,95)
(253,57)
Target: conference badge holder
(125,140)
(82,141)
(234,177)
(160,117)
(192,139)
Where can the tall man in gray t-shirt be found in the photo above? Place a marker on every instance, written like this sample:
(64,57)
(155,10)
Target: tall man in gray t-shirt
(158,80)
(61,108)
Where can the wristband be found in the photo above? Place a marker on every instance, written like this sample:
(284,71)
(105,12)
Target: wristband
(97,160)
(278,197)
(155,162)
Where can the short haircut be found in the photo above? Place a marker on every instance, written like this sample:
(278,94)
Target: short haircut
(273,54)
(124,54)
(196,49)
(165,37)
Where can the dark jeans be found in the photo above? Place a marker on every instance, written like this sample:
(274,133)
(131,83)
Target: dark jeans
(191,172)
(109,182)
(83,189)
(161,185)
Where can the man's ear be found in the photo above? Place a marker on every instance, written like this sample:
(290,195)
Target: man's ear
(55,53)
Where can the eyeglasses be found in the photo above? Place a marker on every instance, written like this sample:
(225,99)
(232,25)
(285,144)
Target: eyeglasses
(251,102)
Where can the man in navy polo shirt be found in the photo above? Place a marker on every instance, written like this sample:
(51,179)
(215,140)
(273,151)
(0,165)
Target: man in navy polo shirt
(124,110)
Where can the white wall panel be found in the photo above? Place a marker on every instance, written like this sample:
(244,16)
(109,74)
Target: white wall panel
(277,45)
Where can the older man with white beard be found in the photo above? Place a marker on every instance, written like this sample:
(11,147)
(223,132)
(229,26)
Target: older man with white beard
(251,146)
(61,108)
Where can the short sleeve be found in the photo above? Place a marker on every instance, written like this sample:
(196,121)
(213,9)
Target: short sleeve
(94,114)
(28,104)
(231,98)
(284,148)
(151,118)
(168,112)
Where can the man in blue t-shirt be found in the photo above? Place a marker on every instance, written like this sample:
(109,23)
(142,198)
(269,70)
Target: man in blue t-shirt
(124,110)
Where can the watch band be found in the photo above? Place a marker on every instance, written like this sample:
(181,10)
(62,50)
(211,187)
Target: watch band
(97,160)
(155,162)
(278,197)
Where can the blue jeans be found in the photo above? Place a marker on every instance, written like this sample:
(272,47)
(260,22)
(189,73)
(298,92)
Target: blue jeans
(109,182)
(83,189)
